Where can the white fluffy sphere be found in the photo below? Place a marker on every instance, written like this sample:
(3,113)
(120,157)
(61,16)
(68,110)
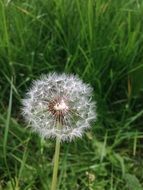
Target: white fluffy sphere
(59,105)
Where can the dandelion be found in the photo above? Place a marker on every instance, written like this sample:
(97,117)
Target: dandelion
(62,99)
(59,106)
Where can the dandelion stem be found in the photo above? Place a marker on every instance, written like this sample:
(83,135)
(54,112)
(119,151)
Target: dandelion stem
(56,164)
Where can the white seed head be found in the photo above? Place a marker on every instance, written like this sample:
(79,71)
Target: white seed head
(59,105)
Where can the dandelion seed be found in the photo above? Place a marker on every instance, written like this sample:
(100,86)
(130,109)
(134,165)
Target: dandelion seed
(59,98)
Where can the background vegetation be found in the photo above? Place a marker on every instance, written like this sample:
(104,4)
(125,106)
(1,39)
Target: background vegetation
(102,42)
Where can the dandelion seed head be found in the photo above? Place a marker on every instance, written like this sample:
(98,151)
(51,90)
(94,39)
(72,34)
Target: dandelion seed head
(59,100)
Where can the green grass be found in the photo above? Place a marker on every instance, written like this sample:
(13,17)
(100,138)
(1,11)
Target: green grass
(102,42)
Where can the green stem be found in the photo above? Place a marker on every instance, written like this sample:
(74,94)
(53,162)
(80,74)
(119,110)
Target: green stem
(56,164)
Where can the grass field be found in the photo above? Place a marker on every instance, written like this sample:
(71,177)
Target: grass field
(102,42)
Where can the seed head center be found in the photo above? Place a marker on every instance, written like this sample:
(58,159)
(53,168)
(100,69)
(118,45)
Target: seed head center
(61,106)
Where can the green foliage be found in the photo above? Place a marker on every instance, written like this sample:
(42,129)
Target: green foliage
(133,182)
(102,42)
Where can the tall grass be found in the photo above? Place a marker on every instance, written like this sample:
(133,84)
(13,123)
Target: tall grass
(102,42)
